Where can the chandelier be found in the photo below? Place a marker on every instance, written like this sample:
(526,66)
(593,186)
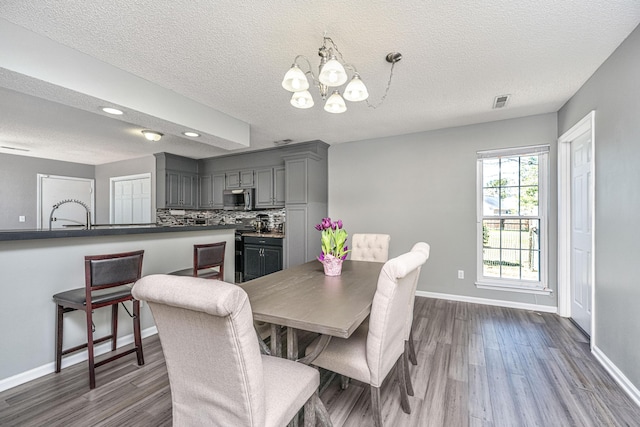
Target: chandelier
(332,73)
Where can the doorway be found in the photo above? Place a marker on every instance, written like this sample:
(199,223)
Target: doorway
(130,199)
(52,190)
(576,207)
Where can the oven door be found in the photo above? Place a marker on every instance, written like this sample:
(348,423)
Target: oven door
(239,248)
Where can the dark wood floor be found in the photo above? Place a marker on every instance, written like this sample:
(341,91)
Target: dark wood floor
(477,366)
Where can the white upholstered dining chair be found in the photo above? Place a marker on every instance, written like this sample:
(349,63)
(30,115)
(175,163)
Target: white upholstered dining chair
(216,372)
(410,348)
(378,345)
(370,247)
(425,249)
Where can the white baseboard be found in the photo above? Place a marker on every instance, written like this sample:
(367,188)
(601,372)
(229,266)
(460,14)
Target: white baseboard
(73,359)
(617,375)
(486,301)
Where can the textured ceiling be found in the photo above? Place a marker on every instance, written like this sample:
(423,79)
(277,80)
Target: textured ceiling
(231,56)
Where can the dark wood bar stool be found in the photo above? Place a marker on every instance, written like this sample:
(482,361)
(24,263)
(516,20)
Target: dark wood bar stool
(106,277)
(208,262)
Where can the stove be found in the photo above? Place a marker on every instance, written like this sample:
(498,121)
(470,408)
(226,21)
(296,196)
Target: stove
(242,227)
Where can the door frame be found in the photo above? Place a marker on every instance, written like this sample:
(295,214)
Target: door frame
(112,182)
(587,124)
(41,176)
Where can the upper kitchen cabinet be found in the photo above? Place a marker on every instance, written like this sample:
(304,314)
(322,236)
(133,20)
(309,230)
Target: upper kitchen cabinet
(240,179)
(180,189)
(176,181)
(218,190)
(205,186)
(270,187)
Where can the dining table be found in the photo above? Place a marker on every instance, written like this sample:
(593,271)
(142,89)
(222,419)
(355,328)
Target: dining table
(304,298)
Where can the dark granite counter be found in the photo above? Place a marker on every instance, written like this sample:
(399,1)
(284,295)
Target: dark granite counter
(9,235)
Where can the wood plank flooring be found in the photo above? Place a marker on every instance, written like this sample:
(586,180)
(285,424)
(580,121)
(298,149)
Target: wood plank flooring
(478,366)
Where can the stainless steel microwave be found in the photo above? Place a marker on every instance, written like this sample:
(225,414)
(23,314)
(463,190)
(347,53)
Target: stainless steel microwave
(238,200)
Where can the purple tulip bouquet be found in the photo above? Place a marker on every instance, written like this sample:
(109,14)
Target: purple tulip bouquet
(334,248)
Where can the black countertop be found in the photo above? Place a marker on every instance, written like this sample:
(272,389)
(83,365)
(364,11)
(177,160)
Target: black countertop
(9,235)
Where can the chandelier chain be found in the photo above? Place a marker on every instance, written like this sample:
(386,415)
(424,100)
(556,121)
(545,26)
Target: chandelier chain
(386,92)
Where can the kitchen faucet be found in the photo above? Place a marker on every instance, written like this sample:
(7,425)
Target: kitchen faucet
(57,205)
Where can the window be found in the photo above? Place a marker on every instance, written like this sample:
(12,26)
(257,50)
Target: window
(512,219)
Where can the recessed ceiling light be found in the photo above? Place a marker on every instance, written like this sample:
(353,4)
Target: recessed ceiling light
(152,135)
(191,134)
(110,110)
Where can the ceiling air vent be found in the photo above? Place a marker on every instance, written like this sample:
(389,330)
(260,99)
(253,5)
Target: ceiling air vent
(501,101)
(283,142)
(14,148)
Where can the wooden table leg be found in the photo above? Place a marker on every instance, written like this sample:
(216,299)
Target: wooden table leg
(322,344)
(292,344)
(276,344)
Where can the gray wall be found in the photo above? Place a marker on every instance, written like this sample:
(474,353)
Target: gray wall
(614,93)
(18,186)
(124,168)
(422,187)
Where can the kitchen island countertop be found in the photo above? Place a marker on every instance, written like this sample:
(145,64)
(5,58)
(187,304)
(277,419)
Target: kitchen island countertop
(8,235)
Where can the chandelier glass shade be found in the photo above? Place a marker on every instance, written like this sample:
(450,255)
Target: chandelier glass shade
(332,73)
(295,80)
(356,90)
(302,99)
(335,104)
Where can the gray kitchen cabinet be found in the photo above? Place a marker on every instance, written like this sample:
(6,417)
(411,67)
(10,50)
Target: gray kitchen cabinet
(297,235)
(270,187)
(205,187)
(306,203)
(177,181)
(218,190)
(262,256)
(180,189)
(297,179)
(239,179)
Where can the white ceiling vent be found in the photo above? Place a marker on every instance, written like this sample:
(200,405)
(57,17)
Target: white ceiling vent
(501,101)
(283,142)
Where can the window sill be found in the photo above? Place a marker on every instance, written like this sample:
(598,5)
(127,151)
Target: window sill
(514,288)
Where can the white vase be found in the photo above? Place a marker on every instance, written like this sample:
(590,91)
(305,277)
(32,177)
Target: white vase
(332,265)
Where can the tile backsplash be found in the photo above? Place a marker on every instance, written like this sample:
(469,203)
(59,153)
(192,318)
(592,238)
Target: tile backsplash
(177,217)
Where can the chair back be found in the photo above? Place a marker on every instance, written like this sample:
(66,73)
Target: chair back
(106,271)
(370,247)
(210,347)
(425,249)
(209,255)
(388,319)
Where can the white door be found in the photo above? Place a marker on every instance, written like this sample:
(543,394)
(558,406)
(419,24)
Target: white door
(131,199)
(53,190)
(581,281)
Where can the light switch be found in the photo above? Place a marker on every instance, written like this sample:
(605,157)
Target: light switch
(21,218)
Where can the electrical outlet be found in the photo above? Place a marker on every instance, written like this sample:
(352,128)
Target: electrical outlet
(22,218)
(460,274)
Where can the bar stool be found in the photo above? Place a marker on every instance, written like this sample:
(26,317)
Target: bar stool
(208,262)
(106,277)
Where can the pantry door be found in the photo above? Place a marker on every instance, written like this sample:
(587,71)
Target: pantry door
(130,199)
